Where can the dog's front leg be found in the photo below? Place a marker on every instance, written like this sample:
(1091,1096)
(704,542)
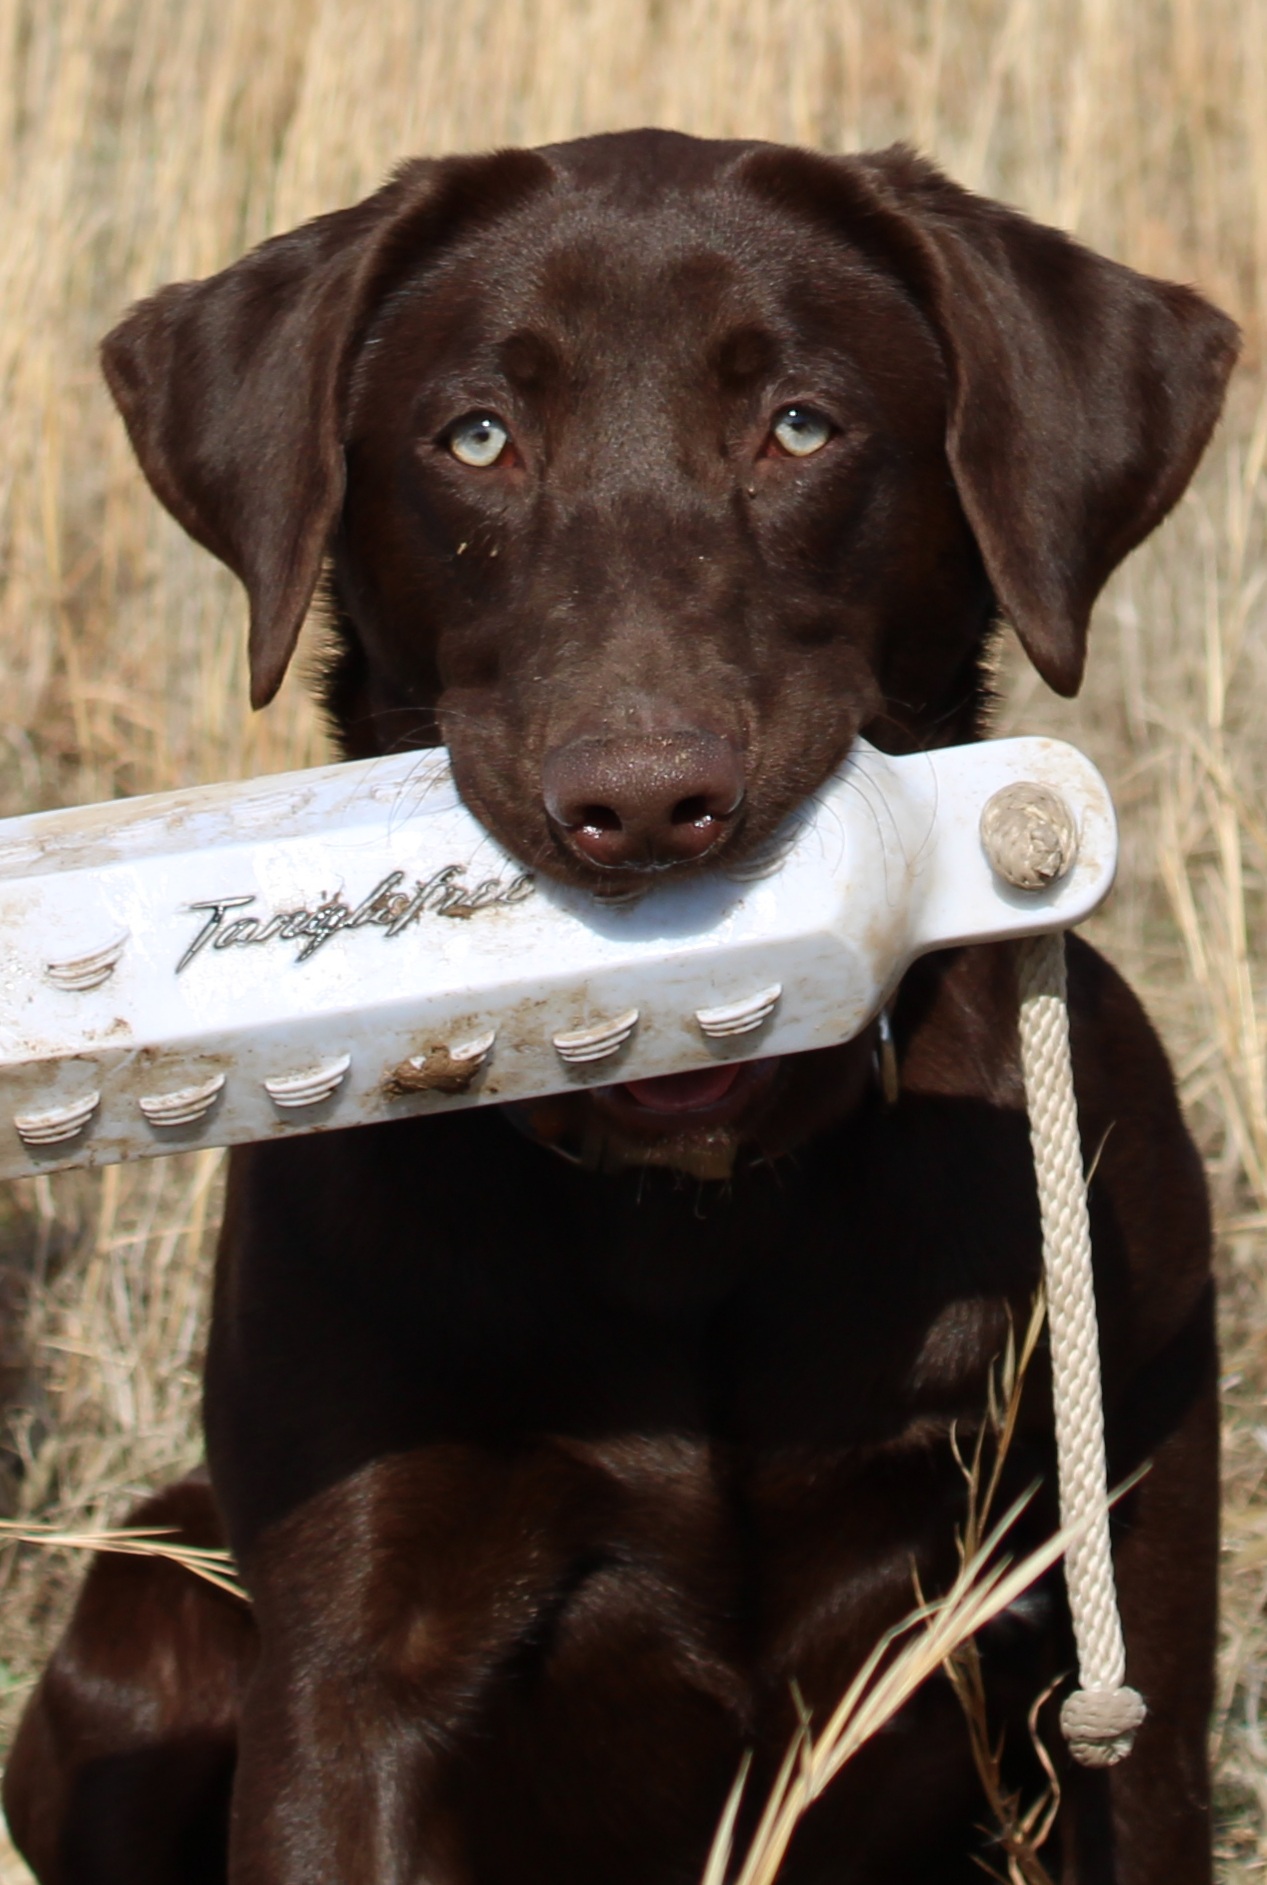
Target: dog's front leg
(387,1605)
(486,1663)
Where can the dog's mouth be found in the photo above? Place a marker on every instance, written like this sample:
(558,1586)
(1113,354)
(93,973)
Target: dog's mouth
(690,1122)
(694,1092)
(671,1102)
(702,1122)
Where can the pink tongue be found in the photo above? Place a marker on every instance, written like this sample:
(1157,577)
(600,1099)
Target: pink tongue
(683,1092)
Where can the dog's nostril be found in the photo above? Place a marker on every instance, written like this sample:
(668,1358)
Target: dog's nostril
(694,811)
(597,818)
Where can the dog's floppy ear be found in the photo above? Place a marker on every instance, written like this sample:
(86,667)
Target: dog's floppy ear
(1081,393)
(234,389)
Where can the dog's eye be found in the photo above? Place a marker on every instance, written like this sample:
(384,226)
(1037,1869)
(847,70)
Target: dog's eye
(799,431)
(479,440)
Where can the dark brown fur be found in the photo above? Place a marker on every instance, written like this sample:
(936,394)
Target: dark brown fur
(549,1482)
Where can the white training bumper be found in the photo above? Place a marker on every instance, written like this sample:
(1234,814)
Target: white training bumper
(329,948)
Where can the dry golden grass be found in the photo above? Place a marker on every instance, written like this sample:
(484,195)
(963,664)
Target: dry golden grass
(930,1638)
(142,140)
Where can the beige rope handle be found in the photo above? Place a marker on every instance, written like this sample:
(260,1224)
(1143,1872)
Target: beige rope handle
(1030,840)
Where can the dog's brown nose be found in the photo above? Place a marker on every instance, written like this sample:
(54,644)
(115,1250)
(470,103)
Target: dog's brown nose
(643,799)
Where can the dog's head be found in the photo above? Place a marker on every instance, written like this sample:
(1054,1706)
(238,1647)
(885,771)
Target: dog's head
(650,471)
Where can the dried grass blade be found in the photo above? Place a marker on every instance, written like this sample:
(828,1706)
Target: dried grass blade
(212,1564)
(723,1839)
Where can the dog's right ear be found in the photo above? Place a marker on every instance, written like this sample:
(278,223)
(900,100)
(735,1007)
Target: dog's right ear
(234,389)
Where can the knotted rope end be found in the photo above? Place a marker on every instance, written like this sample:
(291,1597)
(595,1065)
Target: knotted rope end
(1029,835)
(1099,1725)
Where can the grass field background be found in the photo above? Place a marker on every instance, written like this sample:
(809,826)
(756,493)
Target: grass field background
(146,140)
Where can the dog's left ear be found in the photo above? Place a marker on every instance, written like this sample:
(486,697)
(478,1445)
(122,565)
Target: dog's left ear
(1082,394)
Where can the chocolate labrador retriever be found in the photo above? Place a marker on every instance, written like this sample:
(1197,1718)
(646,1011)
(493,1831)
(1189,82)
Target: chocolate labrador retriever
(568,1454)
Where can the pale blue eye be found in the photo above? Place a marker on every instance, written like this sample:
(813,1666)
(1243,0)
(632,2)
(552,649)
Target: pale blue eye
(800,430)
(479,440)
